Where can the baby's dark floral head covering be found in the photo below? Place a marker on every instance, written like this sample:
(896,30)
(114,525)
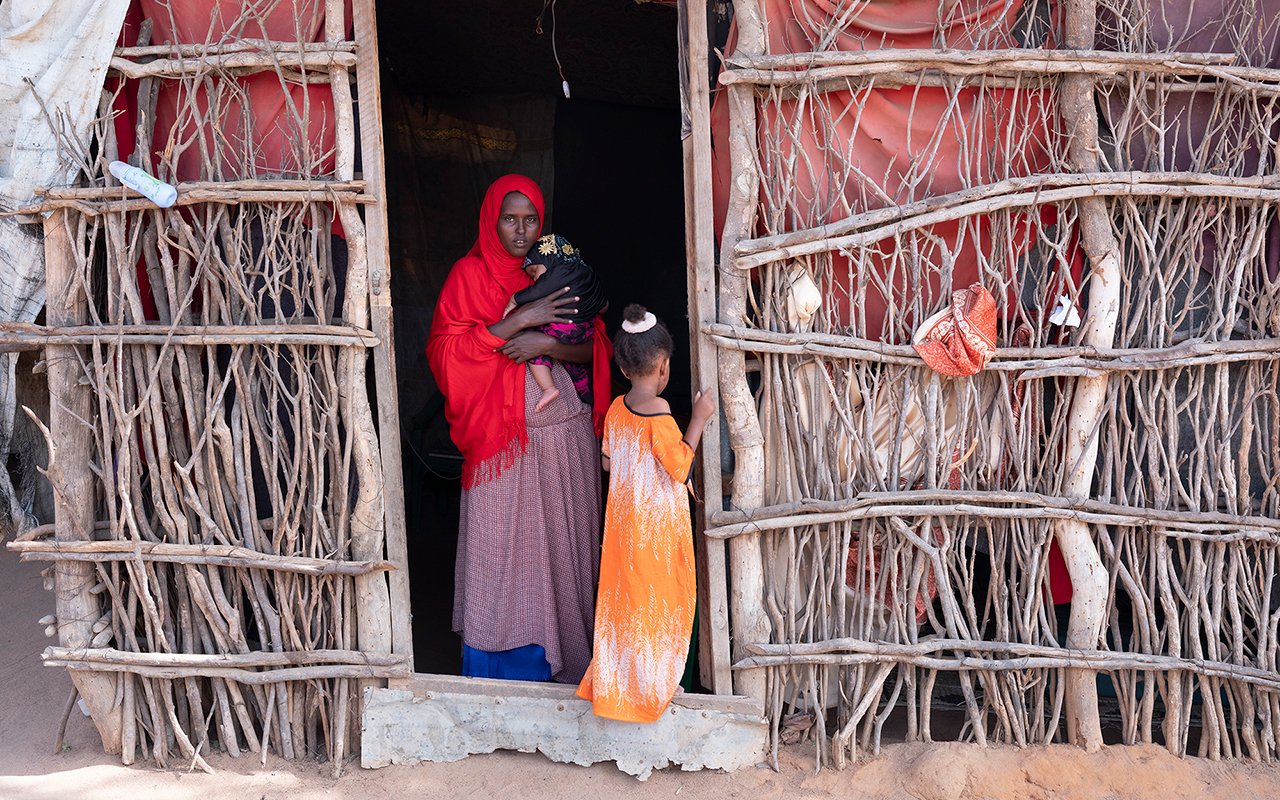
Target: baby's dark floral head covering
(553,249)
(565,267)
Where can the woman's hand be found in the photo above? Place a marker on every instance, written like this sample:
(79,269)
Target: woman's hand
(530,344)
(555,307)
(527,345)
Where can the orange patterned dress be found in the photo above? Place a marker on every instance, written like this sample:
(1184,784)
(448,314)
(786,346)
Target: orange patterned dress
(644,609)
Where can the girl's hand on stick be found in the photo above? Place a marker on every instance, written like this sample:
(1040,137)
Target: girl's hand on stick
(703,407)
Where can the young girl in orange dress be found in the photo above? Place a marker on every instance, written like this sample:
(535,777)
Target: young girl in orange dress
(644,608)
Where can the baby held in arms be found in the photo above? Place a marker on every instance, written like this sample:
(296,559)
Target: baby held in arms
(553,264)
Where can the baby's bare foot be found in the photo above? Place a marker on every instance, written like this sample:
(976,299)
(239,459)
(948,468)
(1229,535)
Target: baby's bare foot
(548,397)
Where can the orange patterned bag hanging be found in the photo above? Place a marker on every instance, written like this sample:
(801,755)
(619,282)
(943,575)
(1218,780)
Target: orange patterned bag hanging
(960,339)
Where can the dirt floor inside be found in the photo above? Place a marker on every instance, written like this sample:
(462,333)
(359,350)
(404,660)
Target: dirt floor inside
(32,698)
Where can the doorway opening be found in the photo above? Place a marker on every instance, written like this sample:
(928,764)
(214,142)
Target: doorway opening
(470,92)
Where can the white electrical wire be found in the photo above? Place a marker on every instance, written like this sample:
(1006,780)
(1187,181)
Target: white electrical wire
(564,82)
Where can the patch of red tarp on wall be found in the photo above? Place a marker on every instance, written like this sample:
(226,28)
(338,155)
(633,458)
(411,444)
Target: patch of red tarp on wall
(885,132)
(262,121)
(258,132)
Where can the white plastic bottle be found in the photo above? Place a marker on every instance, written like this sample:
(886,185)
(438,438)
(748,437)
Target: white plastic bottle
(157,191)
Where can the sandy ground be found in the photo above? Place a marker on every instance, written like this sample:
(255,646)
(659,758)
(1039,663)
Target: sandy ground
(32,698)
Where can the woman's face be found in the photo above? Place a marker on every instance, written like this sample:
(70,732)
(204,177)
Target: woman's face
(518,224)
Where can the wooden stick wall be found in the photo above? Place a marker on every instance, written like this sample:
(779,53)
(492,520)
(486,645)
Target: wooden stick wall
(230,504)
(891,529)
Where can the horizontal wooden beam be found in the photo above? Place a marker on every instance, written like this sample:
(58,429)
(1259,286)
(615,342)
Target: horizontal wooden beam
(1030,362)
(1026,82)
(878,217)
(128,200)
(831,58)
(17,336)
(240,62)
(808,68)
(237,46)
(214,554)
(282,675)
(260,658)
(949,208)
(927,655)
(306,186)
(1176,523)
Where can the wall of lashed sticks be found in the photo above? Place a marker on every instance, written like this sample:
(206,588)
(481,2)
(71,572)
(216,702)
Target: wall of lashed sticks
(228,547)
(227,515)
(890,529)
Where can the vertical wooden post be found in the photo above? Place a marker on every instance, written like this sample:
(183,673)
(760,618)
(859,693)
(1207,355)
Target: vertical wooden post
(368,89)
(1088,575)
(368,517)
(746,602)
(74,493)
(700,257)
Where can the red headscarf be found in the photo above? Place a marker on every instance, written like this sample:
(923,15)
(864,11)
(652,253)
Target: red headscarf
(483,389)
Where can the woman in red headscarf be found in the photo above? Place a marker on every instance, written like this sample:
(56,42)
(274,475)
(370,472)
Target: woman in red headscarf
(528,540)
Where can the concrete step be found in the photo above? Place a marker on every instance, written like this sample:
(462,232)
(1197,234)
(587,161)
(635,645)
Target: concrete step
(447,718)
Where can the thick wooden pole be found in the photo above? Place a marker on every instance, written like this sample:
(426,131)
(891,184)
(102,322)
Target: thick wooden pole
(1088,575)
(369,92)
(700,257)
(368,516)
(74,493)
(746,570)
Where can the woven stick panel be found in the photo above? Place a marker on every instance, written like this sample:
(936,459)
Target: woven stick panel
(237,553)
(1108,176)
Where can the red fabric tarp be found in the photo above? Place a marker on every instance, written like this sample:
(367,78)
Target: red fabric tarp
(257,116)
(258,132)
(887,133)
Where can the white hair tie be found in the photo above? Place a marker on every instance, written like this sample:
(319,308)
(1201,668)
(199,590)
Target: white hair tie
(643,325)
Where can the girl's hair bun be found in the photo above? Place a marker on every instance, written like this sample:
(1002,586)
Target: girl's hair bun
(634,313)
(640,353)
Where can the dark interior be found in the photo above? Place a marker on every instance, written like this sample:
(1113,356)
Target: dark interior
(471,91)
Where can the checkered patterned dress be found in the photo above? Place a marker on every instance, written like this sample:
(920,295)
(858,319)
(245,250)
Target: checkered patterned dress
(529,541)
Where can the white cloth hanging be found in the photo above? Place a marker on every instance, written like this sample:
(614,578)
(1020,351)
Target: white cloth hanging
(54,52)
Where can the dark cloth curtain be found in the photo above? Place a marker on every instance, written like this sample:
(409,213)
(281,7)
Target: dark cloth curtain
(443,153)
